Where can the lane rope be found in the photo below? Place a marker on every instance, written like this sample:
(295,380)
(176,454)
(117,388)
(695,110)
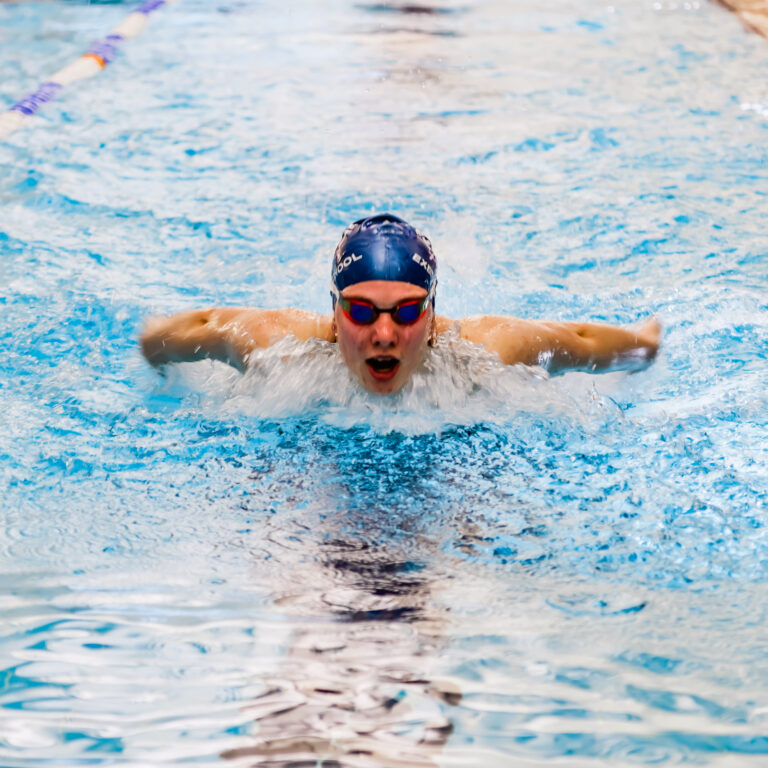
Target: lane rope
(98,56)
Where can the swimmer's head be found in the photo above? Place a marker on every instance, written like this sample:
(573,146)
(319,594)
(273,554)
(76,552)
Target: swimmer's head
(383,247)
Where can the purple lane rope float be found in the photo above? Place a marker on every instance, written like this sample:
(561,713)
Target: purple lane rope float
(98,56)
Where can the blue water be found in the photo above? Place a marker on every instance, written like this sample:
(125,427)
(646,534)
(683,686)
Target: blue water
(498,569)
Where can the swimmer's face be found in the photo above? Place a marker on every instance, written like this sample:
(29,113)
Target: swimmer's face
(383,355)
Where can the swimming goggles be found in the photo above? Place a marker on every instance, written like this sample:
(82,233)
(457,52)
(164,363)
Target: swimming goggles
(362,312)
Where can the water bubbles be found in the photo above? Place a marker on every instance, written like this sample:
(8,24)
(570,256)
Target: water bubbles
(761,108)
(673,5)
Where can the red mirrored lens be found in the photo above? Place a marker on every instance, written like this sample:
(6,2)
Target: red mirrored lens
(359,312)
(408,312)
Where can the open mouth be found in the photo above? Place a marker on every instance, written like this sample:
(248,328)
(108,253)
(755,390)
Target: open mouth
(382,368)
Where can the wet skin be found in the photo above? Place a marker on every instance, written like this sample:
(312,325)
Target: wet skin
(382,355)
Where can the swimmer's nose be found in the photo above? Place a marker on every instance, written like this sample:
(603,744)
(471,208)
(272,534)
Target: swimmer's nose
(384,331)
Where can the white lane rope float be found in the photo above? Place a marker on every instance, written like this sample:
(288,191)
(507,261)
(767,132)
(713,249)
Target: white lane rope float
(90,63)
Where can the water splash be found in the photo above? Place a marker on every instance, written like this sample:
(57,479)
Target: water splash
(459,383)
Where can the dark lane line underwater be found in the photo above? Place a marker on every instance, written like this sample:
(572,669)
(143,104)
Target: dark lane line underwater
(494,566)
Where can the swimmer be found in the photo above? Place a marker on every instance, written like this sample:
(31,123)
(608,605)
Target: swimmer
(383,282)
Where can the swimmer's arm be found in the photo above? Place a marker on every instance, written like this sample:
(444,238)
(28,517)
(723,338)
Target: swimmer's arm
(227,334)
(565,346)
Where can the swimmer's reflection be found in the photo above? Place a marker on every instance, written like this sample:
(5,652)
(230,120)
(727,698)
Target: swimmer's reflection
(355,690)
(421,18)
(407,8)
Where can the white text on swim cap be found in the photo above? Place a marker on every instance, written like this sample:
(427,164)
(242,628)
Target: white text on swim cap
(423,263)
(343,264)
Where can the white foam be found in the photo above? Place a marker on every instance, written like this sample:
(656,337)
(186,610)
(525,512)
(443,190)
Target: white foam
(459,383)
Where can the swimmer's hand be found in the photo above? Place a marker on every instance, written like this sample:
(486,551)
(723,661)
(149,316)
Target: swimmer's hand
(226,334)
(559,347)
(648,335)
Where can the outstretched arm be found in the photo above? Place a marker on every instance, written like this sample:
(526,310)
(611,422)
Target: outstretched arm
(565,346)
(228,334)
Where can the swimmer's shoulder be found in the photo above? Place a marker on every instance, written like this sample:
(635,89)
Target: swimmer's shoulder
(475,327)
(267,324)
(444,324)
(511,338)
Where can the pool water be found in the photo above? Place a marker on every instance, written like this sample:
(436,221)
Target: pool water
(494,568)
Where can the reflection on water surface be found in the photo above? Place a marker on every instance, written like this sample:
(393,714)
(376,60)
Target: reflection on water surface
(354,687)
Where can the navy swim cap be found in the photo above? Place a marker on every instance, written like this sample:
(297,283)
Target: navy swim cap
(383,247)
